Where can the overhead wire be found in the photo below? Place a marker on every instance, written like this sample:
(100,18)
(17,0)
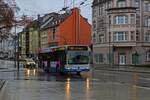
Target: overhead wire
(80,3)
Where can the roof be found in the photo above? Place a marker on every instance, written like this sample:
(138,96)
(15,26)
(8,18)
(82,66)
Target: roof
(52,20)
(96,2)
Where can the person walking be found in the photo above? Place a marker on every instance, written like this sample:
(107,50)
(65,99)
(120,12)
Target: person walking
(58,64)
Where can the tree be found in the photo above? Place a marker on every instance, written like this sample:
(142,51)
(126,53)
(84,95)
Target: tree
(6,19)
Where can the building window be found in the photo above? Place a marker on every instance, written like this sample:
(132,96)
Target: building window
(136,3)
(137,36)
(132,19)
(148,56)
(101,39)
(121,3)
(122,58)
(94,12)
(147,22)
(94,25)
(121,19)
(100,12)
(137,20)
(147,37)
(99,58)
(53,33)
(120,36)
(94,38)
(135,58)
(132,36)
(147,7)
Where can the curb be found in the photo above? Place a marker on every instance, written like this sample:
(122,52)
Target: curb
(124,70)
(2,82)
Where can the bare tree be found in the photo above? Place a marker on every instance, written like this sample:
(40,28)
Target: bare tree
(6,19)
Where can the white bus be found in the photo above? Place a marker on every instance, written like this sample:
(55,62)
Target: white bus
(65,59)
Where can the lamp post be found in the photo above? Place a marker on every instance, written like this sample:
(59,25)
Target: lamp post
(15,47)
(109,39)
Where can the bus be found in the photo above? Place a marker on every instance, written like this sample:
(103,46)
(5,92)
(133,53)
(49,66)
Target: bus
(66,59)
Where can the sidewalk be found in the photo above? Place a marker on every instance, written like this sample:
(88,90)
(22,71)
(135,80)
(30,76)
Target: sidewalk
(8,66)
(138,69)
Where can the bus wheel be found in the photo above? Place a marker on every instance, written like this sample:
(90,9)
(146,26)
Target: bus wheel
(78,73)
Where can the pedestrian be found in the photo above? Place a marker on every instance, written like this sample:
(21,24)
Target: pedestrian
(58,65)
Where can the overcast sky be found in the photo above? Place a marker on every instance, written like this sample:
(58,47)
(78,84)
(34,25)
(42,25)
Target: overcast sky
(34,7)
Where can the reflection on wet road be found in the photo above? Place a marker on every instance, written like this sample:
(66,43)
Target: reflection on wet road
(102,85)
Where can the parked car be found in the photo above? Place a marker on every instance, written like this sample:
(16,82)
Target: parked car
(29,63)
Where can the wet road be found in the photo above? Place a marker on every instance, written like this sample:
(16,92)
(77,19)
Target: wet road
(96,85)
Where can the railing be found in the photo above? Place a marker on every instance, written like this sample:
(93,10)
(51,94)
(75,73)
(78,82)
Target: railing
(123,25)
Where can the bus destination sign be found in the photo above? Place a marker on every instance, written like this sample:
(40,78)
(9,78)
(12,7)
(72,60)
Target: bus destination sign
(77,48)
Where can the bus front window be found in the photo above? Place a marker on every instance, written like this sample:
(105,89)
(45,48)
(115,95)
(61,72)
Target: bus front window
(78,57)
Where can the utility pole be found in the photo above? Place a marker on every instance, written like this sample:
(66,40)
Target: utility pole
(109,34)
(15,46)
(39,37)
(18,52)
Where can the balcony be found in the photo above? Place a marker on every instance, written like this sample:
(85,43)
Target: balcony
(121,10)
(117,44)
(123,27)
(123,44)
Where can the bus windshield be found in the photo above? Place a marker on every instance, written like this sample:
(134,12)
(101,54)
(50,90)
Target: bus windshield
(78,57)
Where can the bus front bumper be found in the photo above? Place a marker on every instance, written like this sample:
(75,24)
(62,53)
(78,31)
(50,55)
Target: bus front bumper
(76,69)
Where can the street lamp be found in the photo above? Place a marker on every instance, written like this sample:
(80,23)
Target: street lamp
(109,39)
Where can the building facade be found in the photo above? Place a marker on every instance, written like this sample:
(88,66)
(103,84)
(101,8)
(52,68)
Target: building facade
(7,48)
(29,41)
(22,44)
(121,32)
(33,42)
(73,30)
(49,24)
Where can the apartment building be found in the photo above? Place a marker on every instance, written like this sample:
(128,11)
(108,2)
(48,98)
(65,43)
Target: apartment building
(22,44)
(121,32)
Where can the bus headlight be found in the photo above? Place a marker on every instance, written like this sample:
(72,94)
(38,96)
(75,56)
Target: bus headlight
(67,67)
(28,63)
